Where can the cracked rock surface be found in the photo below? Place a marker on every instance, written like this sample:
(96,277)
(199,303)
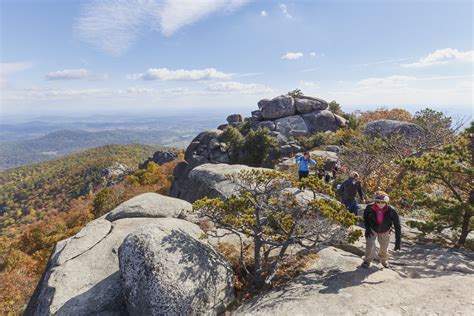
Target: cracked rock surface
(83,275)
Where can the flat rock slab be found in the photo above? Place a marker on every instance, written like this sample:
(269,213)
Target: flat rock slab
(335,285)
(150,205)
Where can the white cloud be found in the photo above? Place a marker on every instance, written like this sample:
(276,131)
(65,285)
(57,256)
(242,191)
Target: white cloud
(312,54)
(310,84)
(233,86)
(181,74)
(292,56)
(284,10)
(410,92)
(443,57)
(385,82)
(7,69)
(263,13)
(114,25)
(75,74)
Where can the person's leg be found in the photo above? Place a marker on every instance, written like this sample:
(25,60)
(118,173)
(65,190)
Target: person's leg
(300,175)
(370,248)
(384,241)
(353,207)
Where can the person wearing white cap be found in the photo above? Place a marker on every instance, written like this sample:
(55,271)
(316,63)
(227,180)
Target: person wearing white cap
(379,217)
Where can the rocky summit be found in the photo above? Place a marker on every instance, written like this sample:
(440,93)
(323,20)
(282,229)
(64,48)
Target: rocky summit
(285,116)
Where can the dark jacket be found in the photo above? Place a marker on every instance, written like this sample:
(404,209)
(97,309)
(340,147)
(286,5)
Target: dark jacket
(390,218)
(348,190)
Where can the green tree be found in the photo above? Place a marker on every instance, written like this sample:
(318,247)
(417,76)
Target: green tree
(448,179)
(295,93)
(233,138)
(335,108)
(269,210)
(105,201)
(259,148)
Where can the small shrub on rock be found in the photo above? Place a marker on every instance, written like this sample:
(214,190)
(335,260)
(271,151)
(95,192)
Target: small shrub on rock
(269,212)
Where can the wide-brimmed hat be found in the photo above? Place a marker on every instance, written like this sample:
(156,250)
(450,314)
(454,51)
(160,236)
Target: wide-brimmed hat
(381,196)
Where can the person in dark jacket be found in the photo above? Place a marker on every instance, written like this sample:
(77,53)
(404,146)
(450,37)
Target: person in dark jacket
(348,191)
(379,217)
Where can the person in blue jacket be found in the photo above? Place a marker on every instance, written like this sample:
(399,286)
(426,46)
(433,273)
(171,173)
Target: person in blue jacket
(304,162)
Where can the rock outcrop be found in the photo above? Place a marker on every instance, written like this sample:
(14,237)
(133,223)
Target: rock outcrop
(173,274)
(83,275)
(210,180)
(115,173)
(285,116)
(160,157)
(385,128)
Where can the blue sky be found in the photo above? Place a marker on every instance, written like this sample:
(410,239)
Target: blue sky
(166,57)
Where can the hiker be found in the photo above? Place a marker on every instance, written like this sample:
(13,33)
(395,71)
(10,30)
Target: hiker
(378,219)
(348,190)
(321,173)
(304,162)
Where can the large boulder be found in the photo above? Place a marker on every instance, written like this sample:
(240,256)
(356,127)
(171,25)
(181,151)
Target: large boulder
(336,285)
(173,274)
(330,158)
(291,126)
(160,157)
(321,121)
(278,107)
(385,128)
(204,137)
(82,276)
(150,205)
(210,180)
(266,124)
(305,104)
(87,281)
(234,118)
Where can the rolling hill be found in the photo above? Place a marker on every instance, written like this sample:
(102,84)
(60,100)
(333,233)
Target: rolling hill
(51,185)
(63,142)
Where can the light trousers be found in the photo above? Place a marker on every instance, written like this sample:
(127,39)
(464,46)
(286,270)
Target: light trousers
(370,251)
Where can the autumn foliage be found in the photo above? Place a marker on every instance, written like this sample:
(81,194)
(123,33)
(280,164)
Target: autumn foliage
(25,246)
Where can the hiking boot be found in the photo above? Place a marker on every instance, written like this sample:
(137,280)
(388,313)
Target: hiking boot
(365,265)
(386,264)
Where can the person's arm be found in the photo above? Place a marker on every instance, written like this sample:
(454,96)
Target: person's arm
(313,162)
(298,159)
(368,230)
(359,190)
(398,229)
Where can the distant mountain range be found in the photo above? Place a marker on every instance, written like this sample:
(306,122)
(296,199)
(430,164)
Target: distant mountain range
(52,137)
(63,142)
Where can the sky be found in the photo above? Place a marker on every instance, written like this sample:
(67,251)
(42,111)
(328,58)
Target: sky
(89,57)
